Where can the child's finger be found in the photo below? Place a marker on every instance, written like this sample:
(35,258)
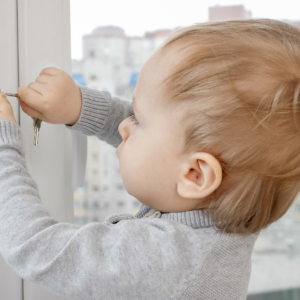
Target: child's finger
(3,98)
(51,71)
(4,103)
(43,78)
(38,87)
(30,97)
(30,111)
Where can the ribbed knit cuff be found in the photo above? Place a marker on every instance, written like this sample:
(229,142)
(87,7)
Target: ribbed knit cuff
(94,111)
(11,136)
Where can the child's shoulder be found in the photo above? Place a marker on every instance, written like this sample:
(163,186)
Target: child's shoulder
(169,246)
(192,228)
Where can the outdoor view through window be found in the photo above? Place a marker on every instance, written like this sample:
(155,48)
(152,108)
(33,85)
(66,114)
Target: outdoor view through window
(110,44)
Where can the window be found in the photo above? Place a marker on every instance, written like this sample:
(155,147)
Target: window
(91,55)
(121,203)
(136,203)
(93,77)
(95,157)
(120,186)
(80,220)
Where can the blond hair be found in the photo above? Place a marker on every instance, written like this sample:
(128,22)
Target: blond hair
(241,81)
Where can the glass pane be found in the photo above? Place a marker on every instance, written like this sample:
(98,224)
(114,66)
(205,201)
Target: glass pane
(109,57)
(276,257)
(103,192)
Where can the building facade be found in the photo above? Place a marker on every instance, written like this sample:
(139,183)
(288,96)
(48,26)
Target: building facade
(231,12)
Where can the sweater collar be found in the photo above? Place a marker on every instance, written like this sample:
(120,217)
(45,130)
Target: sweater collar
(198,218)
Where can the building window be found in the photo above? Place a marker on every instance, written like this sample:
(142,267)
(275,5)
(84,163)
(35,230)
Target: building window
(120,186)
(92,54)
(105,159)
(136,203)
(93,77)
(95,156)
(95,141)
(80,221)
(95,219)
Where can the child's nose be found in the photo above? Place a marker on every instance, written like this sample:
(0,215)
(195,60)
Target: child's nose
(124,130)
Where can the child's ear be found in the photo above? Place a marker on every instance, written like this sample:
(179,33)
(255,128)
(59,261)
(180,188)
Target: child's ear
(200,176)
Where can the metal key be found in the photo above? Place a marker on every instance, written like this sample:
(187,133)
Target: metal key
(37,126)
(36,122)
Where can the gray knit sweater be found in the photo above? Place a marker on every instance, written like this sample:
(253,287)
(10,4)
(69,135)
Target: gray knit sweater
(143,257)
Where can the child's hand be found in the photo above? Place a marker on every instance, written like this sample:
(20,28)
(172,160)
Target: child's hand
(54,97)
(6,110)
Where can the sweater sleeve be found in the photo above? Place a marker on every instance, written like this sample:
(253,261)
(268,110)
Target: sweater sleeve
(101,115)
(127,260)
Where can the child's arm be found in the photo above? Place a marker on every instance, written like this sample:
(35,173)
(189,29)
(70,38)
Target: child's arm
(101,115)
(55,98)
(133,259)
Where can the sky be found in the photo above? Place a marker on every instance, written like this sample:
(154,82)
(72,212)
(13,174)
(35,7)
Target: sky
(138,16)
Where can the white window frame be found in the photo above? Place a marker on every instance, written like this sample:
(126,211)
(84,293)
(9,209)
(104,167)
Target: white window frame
(34,35)
(11,285)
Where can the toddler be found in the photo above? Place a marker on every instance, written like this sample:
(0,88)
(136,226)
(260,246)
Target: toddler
(209,146)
